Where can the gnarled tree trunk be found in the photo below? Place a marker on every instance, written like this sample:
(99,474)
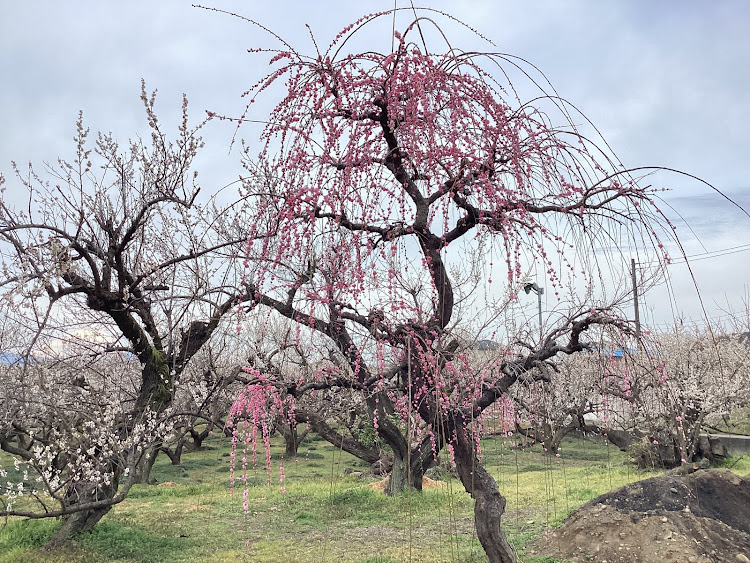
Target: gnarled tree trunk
(154,393)
(407,473)
(489,504)
(143,471)
(404,474)
(175,455)
(292,437)
(198,437)
(84,520)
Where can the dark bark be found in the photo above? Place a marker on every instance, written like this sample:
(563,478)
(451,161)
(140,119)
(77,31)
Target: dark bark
(711,448)
(409,463)
(84,520)
(489,504)
(380,407)
(408,473)
(198,437)
(331,435)
(174,455)
(292,437)
(659,449)
(623,439)
(546,434)
(74,524)
(399,480)
(143,470)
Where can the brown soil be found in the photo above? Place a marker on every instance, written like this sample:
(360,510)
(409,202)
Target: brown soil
(703,517)
(427,483)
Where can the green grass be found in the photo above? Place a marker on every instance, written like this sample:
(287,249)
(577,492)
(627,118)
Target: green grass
(117,541)
(326,515)
(22,534)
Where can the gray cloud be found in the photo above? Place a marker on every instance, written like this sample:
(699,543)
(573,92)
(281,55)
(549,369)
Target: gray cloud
(666,83)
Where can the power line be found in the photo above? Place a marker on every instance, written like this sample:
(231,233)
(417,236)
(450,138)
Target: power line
(703,255)
(712,254)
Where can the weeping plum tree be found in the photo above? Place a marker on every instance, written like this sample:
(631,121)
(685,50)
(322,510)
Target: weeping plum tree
(385,181)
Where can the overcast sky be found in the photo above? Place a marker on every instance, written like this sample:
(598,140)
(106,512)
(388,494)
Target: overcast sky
(665,82)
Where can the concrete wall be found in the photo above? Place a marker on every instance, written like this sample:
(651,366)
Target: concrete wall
(735,445)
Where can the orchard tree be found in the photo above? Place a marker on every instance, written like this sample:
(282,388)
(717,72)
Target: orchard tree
(290,364)
(594,392)
(62,422)
(380,178)
(548,409)
(681,381)
(208,387)
(119,239)
(701,376)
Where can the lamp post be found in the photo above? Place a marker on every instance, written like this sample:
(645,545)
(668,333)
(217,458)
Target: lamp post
(635,303)
(529,287)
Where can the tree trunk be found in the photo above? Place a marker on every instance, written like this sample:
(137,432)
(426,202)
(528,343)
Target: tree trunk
(143,471)
(548,435)
(409,473)
(623,439)
(292,437)
(399,481)
(83,521)
(557,435)
(380,406)
(155,392)
(489,504)
(198,438)
(175,457)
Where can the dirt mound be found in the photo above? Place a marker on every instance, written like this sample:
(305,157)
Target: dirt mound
(703,517)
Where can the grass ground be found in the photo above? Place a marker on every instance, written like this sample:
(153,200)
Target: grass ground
(325,514)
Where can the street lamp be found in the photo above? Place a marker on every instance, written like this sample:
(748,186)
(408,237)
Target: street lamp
(529,287)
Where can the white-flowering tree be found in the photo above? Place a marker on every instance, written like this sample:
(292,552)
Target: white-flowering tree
(654,399)
(690,377)
(116,251)
(68,424)
(547,410)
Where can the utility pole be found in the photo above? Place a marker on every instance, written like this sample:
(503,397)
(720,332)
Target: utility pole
(539,291)
(635,301)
